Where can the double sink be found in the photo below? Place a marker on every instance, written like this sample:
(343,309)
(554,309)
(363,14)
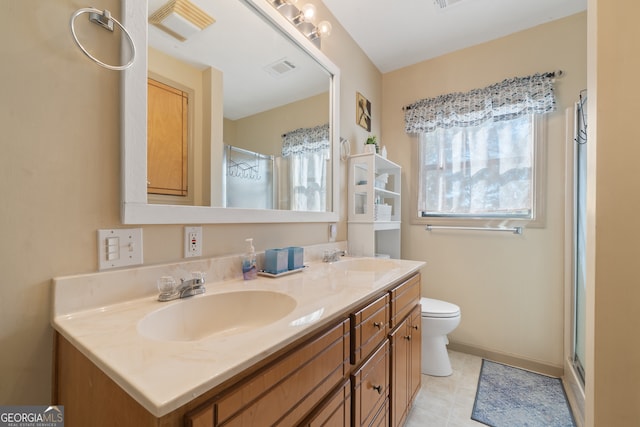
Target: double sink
(234,312)
(166,353)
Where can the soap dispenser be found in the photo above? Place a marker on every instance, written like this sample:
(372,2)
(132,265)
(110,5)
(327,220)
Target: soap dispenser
(249,268)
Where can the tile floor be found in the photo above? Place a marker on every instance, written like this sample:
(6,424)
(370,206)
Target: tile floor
(448,401)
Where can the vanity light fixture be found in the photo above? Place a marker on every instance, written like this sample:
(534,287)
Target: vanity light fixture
(323,29)
(307,13)
(181,19)
(303,19)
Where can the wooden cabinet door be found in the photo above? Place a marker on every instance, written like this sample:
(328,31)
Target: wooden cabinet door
(415,352)
(202,418)
(285,392)
(400,340)
(370,387)
(382,417)
(167,139)
(335,412)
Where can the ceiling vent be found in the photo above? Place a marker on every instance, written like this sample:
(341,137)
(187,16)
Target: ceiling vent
(280,68)
(444,4)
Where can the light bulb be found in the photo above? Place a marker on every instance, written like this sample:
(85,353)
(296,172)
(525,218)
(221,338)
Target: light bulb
(324,28)
(308,12)
(280,3)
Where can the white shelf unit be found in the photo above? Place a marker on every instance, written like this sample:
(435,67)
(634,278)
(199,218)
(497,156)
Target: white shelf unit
(374,206)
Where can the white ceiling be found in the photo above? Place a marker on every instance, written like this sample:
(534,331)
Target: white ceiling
(242,45)
(393,33)
(398,33)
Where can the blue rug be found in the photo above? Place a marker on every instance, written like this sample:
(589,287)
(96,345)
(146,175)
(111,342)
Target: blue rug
(512,397)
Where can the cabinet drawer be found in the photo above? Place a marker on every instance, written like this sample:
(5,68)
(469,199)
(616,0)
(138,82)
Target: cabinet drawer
(370,387)
(403,298)
(382,417)
(285,392)
(335,412)
(369,327)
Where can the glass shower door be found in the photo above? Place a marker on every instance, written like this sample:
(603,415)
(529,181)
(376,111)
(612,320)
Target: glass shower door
(580,235)
(249,179)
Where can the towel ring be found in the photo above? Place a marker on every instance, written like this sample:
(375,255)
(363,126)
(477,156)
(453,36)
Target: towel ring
(105,20)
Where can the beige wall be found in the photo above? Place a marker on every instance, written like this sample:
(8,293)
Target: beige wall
(509,288)
(262,132)
(613,287)
(60,175)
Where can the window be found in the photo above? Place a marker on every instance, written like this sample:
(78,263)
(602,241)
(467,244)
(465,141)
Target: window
(309,180)
(480,173)
(308,152)
(480,153)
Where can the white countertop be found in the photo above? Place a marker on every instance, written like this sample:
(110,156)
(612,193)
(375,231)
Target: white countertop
(164,375)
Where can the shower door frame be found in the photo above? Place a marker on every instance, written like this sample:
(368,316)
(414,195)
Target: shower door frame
(579,211)
(572,379)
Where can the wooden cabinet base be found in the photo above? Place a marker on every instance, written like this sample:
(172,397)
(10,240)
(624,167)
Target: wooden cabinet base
(348,373)
(89,396)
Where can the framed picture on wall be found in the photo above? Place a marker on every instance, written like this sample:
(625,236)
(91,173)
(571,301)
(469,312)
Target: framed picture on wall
(363,111)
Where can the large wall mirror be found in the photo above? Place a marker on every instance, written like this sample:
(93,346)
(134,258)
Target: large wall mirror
(237,123)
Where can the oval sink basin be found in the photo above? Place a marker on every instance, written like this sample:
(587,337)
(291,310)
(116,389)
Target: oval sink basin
(228,313)
(373,265)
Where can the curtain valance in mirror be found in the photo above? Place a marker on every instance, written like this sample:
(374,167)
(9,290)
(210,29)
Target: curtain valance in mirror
(306,140)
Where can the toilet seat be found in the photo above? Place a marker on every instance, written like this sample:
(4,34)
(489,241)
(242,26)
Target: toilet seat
(436,308)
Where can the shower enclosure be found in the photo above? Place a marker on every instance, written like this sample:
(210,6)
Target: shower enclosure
(575,368)
(579,238)
(249,179)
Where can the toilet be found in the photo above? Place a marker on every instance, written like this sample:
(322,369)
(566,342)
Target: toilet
(438,319)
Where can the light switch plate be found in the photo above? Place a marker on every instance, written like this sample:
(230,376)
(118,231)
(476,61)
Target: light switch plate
(119,247)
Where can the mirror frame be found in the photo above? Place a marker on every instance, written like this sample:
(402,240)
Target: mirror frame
(134,206)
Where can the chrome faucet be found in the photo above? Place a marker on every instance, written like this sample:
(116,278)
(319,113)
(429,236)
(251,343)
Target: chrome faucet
(191,287)
(186,288)
(333,255)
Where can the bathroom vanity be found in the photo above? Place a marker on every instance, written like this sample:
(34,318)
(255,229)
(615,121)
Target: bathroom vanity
(345,352)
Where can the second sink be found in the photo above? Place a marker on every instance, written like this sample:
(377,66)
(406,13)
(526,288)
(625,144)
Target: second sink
(214,314)
(373,265)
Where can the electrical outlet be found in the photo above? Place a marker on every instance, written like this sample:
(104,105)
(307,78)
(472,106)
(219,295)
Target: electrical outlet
(333,232)
(192,242)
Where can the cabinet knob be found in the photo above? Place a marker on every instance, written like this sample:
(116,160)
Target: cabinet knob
(377,325)
(415,327)
(407,337)
(378,388)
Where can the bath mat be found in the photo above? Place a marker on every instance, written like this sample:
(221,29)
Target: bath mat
(512,397)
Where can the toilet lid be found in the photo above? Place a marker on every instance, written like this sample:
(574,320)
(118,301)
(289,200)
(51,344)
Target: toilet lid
(436,308)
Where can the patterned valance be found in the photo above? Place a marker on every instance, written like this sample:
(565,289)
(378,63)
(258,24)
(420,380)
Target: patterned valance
(506,100)
(306,140)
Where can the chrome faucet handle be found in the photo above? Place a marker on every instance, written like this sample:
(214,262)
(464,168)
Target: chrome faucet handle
(198,277)
(333,255)
(167,287)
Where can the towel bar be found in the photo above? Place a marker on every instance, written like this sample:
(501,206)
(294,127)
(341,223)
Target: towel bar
(514,230)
